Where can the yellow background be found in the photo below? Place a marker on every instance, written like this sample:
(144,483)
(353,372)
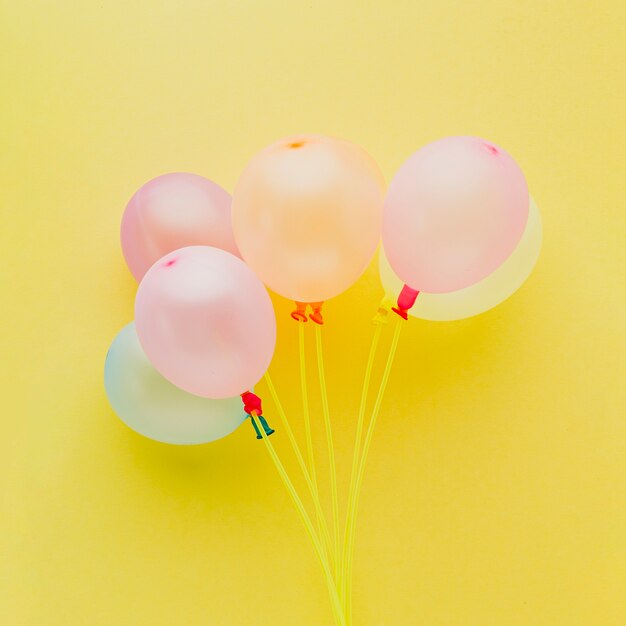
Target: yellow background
(495,493)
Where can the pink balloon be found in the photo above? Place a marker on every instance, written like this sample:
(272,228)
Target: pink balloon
(173,211)
(453,214)
(205,321)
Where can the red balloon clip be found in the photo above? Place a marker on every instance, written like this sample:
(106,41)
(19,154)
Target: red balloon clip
(406,300)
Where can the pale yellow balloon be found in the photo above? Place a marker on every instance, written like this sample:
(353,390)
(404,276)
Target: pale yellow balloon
(483,295)
(307,215)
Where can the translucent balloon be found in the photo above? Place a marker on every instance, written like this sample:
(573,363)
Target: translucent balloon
(483,295)
(205,321)
(454,212)
(155,408)
(307,215)
(173,211)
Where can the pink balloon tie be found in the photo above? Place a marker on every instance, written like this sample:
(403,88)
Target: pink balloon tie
(406,300)
(252,406)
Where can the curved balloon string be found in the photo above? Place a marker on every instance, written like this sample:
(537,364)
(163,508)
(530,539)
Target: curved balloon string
(330,444)
(361,471)
(301,461)
(355,458)
(306,520)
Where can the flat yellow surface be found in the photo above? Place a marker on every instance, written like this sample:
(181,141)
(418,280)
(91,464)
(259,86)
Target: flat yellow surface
(496,488)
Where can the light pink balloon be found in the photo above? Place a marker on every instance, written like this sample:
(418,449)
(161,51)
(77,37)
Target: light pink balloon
(205,321)
(453,214)
(173,211)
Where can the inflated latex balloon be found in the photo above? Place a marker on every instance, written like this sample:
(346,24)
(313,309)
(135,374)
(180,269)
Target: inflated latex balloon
(205,321)
(307,215)
(155,408)
(173,211)
(454,212)
(483,295)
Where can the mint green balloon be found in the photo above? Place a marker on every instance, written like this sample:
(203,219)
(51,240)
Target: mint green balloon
(155,408)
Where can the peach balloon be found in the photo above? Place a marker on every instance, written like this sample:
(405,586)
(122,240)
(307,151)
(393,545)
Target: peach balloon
(307,214)
(453,214)
(205,322)
(173,211)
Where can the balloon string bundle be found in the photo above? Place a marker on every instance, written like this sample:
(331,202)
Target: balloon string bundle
(296,449)
(355,459)
(306,520)
(332,552)
(359,481)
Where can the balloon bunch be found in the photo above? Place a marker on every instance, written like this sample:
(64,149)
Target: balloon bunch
(458,229)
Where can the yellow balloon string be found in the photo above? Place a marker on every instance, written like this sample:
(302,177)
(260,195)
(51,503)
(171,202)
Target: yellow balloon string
(307,430)
(331,447)
(306,520)
(359,483)
(300,458)
(355,457)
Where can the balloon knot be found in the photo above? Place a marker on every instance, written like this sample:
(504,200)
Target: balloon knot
(252,406)
(251,403)
(300,313)
(406,300)
(382,313)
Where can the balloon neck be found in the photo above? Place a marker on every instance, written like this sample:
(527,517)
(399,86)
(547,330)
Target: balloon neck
(406,300)
(252,405)
(382,313)
(300,313)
